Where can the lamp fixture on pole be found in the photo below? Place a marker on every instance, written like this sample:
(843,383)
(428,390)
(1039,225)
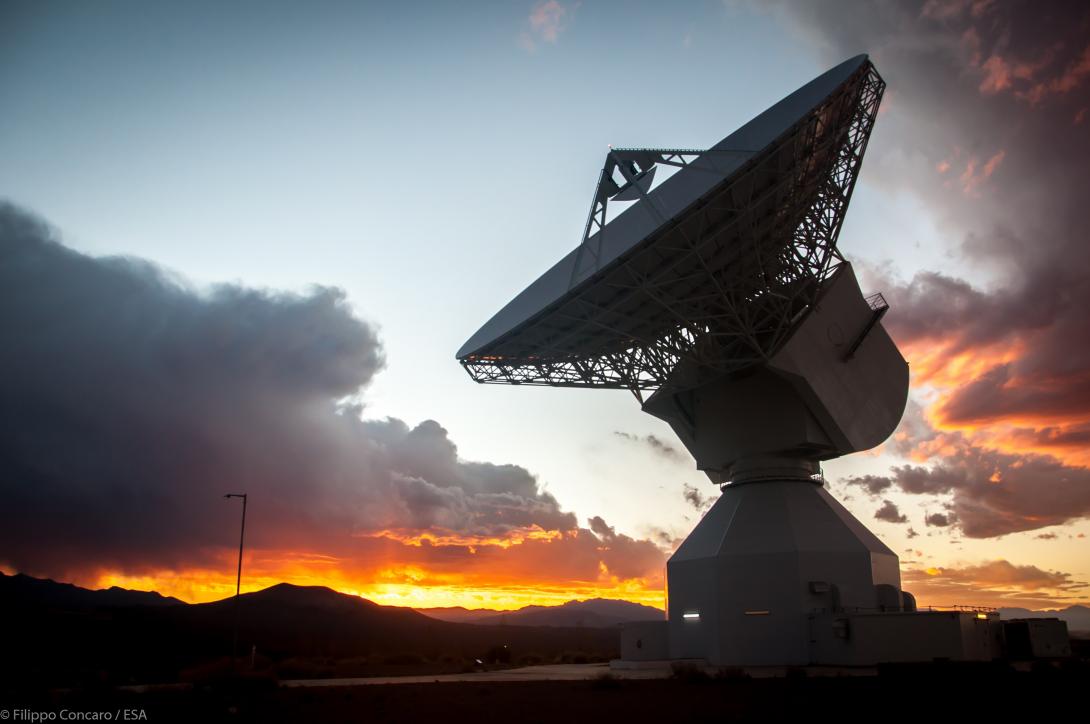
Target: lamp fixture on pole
(238,579)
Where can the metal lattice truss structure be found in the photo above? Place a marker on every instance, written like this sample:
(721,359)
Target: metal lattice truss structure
(635,168)
(720,286)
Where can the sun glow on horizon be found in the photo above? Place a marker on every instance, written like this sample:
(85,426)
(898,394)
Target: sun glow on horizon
(419,569)
(929,586)
(202,586)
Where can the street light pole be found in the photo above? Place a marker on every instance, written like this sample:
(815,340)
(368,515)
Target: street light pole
(238,580)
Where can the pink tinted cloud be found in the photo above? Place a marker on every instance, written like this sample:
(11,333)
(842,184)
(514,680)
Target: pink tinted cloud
(1066,82)
(1001,73)
(546,22)
(1003,69)
(951,10)
(971,178)
(546,19)
(997,75)
(993,163)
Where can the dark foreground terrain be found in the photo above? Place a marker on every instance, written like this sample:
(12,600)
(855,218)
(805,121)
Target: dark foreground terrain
(55,635)
(936,693)
(66,650)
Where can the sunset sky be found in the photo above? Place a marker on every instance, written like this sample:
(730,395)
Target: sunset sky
(241,242)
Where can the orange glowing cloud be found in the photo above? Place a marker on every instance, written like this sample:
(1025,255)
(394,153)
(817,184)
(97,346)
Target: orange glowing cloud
(419,539)
(429,568)
(943,368)
(945,363)
(993,583)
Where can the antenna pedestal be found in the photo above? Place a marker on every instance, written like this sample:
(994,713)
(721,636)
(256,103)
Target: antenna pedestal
(747,582)
(776,549)
(772,468)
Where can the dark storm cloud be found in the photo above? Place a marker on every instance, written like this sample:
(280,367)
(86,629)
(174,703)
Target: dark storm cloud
(654,443)
(620,554)
(919,480)
(991,492)
(889,513)
(693,496)
(600,528)
(699,501)
(131,403)
(994,493)
(873,484)
(939,520)
(986,120)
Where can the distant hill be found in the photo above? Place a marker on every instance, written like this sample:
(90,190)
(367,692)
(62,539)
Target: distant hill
(1077,617)
(59,634)
(47,592)
(604,613)
(458,614)
(592,613)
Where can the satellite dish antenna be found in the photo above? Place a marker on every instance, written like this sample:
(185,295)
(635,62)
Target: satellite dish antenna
(721,301)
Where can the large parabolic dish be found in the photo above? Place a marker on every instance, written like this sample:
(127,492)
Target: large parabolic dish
(721,292)
(715,266)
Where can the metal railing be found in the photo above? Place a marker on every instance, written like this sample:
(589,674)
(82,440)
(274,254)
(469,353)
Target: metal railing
(890,609)
(877,302)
